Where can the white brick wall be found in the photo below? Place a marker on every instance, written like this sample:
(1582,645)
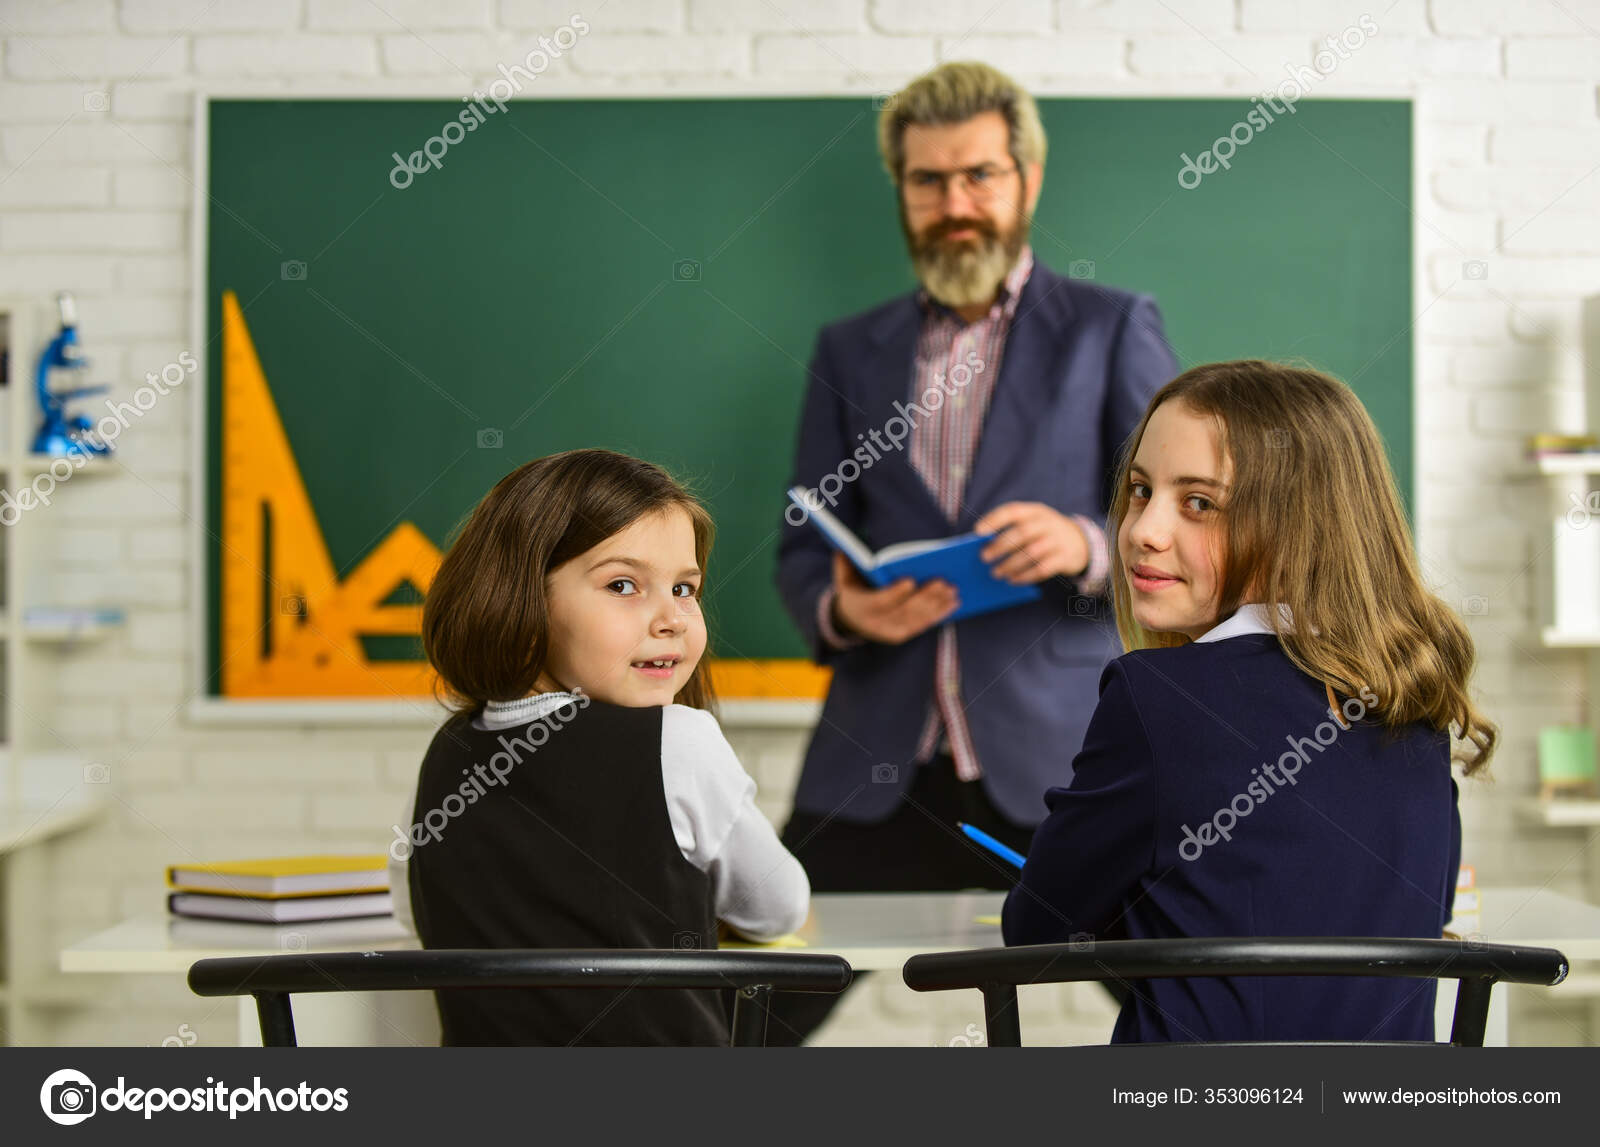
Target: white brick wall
(96,195)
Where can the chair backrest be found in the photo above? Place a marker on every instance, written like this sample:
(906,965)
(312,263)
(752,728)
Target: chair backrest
(754,976)
(996,972)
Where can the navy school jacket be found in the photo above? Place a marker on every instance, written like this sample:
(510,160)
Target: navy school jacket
(1215,796)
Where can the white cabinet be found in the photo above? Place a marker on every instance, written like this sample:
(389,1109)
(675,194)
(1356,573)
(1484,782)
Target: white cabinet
(43,789)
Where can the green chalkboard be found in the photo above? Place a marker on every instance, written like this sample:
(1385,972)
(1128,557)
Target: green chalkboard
(649,275)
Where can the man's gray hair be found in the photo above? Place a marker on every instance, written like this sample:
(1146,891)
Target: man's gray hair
(954,93)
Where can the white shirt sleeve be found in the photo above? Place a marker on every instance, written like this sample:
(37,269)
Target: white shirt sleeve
(399,870)
(761,889)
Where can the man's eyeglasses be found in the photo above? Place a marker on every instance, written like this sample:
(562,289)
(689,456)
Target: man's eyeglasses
(924,188)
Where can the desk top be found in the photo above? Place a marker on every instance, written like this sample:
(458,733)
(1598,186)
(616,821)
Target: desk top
(875,931)
(1538,918)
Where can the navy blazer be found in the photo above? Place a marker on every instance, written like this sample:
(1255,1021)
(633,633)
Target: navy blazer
(1080,364)
(1361,837)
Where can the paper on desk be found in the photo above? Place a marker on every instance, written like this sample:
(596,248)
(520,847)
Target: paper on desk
(788,941)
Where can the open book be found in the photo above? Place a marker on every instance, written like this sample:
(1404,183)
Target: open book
(954,559)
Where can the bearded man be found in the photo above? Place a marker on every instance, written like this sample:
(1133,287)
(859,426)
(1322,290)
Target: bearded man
(995,399)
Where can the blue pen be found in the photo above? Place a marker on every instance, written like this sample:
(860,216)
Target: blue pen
(1004,852)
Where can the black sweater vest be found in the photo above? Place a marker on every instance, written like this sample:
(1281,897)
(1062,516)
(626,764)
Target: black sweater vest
(560,840)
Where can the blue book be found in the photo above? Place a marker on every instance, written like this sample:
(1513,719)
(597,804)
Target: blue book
(954,559)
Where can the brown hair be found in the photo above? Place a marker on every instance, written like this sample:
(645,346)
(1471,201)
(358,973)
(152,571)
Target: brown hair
(486,617)
(954,93)
(1312,521)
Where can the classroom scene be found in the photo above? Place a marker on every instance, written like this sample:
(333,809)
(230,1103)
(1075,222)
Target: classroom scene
(1100,495)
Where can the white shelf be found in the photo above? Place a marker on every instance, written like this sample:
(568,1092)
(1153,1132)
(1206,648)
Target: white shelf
(39,464)
(1565,464)
(1561,813)
(68,634)
(44,791)
(1552,638)
(29,824)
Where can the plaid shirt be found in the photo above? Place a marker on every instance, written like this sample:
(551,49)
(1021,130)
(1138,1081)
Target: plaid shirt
(943,445)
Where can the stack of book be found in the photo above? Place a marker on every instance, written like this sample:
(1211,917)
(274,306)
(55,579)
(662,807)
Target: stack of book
(1562,446)
(282,890)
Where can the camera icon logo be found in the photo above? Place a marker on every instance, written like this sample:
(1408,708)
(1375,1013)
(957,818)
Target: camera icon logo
(96,102)
(1476,605)
(1081,942)
(885,774)
(1085,606)
(686,271)
(293,270)
(292,604)
(882,100)
(293,942)
(1475,269)
(96,774)
(1278,439)
(686,941)
(67,1097)
(1080,269)
(491,439)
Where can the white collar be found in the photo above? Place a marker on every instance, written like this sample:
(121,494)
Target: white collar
(522,711)
(1250,618)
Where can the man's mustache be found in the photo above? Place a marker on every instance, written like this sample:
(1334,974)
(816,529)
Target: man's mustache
(942,229)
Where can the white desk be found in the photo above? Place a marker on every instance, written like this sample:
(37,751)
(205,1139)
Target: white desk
(874,931)
(1537,918)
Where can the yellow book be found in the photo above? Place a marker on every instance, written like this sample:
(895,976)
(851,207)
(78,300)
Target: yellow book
(284,876)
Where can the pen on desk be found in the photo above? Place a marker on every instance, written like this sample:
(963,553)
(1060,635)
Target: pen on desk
(1004,852)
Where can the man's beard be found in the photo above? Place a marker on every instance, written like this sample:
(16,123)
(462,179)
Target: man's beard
(967,272)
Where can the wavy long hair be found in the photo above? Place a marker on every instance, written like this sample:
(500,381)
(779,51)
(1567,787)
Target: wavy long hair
(486,616)
(1312,521)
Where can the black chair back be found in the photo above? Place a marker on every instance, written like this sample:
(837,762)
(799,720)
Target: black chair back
(996,972)
(753,975)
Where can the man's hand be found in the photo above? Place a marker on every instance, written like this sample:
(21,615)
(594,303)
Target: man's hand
(894,614)
(1037,543)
